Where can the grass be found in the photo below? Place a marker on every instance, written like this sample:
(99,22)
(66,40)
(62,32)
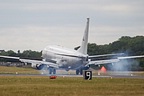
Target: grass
(65,86)
(68,86)
(17,70)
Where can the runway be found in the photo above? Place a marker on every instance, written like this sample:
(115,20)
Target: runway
(72,75)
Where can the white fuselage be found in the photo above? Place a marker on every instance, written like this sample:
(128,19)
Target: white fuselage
(64,57)
(68,58)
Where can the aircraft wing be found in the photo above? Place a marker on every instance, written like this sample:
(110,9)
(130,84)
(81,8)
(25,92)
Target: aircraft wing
(130,57)
(94,56)
(39,62)
(31,61)
(9,57)
(98,62)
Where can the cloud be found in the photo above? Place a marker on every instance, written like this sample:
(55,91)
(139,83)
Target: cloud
(36,23)
(65,5)
(36,37)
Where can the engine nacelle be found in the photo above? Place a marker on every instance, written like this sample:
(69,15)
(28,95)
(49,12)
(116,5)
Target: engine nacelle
(39,66)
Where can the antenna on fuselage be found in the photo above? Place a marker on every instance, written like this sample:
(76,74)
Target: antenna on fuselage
(83,47)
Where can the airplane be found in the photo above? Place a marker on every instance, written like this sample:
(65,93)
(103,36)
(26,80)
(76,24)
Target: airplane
(55,57)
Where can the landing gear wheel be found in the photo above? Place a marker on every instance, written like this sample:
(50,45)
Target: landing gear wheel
(52,71)
(81,71)
(77,72)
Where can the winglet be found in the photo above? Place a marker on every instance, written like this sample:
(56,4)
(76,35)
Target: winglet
(83,47)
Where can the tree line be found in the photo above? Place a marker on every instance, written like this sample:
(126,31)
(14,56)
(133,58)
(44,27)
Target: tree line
(125,44)
(128,45)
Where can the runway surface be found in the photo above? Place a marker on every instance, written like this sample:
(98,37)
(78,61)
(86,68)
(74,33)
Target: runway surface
(72,75)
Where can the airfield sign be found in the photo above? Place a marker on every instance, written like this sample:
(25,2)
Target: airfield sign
(87,75)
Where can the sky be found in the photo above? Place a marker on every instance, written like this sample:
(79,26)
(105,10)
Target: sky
(34,24)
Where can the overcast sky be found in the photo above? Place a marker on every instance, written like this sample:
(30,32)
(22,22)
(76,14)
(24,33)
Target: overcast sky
(34,24)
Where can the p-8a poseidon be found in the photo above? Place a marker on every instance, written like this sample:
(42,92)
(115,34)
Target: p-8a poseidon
(55,57)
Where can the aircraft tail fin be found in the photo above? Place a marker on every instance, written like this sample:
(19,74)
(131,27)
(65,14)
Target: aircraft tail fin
(83,47)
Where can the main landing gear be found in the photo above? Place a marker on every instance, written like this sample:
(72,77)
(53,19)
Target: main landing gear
(80,70)
(52,70)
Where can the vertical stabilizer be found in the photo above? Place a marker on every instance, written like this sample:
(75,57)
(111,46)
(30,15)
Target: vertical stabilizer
(83,47)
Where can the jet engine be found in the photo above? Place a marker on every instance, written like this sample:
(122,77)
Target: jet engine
(39,66)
